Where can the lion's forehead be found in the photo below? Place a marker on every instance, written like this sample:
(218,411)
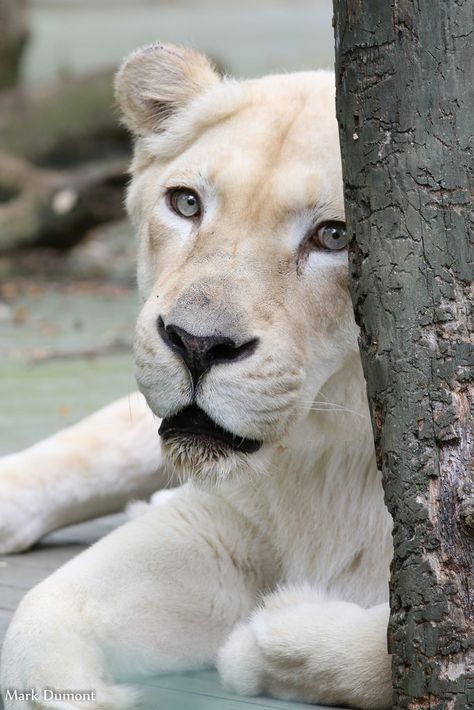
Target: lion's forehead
(276,137)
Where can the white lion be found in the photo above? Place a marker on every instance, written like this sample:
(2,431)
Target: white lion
(272,560)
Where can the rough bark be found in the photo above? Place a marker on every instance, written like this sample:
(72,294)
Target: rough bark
(14,33)
(404,73)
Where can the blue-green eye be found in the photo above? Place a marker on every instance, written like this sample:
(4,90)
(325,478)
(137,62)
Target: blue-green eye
(331,236)
(185,202)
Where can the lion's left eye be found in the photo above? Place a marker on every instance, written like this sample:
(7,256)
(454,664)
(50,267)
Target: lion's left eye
(185,202)
(331,236)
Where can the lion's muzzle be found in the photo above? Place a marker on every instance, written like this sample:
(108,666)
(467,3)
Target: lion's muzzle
(201,352)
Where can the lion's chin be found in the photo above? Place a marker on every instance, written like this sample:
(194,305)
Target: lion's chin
(196,446)
(194,424)
(202,458)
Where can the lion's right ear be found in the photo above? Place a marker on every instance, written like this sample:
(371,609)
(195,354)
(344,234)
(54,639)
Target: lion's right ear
(158,80)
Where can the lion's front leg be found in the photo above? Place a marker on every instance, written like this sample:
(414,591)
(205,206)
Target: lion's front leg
(90,469)
(157,595)
(301,646)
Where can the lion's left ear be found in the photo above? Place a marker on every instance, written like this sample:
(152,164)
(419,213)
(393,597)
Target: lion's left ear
(158,80)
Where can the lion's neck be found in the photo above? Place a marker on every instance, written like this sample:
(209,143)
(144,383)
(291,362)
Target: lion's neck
(339,418)
(321,500)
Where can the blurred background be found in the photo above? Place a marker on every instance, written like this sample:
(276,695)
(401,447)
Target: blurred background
(67,292)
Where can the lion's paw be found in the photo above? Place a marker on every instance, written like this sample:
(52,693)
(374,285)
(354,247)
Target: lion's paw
(257,654)
(240,662)
(262,655)
(299,646)
(250,662)
(284,642)
(22,519)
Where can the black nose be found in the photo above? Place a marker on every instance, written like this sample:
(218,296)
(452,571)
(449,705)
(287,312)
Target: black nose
(201,352)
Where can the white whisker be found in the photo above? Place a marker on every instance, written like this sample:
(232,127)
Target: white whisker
(328,407)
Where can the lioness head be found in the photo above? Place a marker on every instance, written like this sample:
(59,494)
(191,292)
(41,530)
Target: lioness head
(236,197)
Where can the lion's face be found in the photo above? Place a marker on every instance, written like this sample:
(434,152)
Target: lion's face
(237,200)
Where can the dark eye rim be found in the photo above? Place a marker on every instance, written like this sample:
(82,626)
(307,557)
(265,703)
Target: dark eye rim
(173,193)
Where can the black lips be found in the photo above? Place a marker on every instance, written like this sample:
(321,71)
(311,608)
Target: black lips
(194,421)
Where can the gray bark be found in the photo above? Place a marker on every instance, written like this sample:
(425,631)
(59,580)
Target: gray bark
(405,78)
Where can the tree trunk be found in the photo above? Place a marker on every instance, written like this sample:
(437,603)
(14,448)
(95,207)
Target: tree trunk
(405,77)
(14,35)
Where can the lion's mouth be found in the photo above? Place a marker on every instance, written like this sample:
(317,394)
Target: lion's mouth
(194,422)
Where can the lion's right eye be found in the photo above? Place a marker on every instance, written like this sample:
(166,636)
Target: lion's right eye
(185,202)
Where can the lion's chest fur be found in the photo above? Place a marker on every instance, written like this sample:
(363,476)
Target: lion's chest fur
(321,507)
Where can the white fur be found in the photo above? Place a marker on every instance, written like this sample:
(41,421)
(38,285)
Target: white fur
(196,566)
(274,565)
(299,641)
(139,507)
(92,468)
